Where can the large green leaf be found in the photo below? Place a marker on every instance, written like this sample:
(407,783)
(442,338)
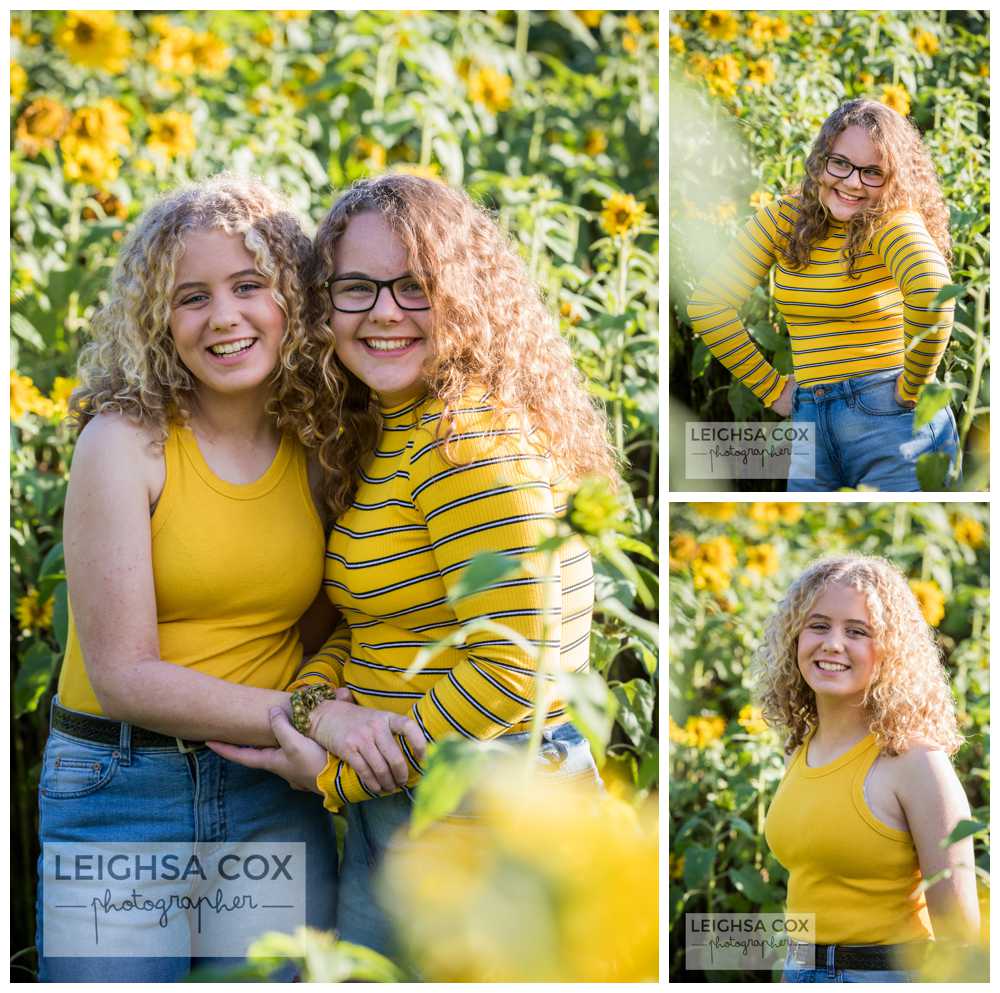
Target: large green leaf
(698,863)
(33,677)
(591,707)
(481,573)
(451,769)
(933,397)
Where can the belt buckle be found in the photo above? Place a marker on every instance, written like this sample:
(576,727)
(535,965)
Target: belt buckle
(184,748)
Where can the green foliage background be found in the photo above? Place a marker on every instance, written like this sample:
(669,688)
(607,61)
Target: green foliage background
(310,103)
(726,147)
(720,791)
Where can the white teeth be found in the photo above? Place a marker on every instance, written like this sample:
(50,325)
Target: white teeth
(232,346)
(832,667)
(388,344)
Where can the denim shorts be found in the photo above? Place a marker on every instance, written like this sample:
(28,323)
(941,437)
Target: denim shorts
(864,437)
(825,973)
(372,824)
(90,792)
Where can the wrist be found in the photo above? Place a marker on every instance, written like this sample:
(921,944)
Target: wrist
(304,703)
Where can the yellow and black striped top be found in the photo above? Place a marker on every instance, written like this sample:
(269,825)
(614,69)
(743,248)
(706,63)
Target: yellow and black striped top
(417,520)
(840,327)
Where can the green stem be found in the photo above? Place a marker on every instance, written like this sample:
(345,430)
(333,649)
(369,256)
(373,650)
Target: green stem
(521,41)
(621,295)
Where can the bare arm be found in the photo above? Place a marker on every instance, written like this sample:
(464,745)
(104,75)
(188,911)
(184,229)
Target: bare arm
(116,476)
(934,802)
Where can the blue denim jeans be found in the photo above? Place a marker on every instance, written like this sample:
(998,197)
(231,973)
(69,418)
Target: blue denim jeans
(824,972)
(864,437)
(371,826)
(96,793)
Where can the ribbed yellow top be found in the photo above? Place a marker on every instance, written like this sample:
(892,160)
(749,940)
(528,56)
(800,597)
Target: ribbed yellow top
(859,876)
(234,567)
(839,327)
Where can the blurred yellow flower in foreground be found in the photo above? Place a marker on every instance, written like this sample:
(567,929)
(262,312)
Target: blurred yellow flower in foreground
(930,598)
(725,210)
(94,38)
(761,199)
(594,508)
(32,615)
(621,213)
(18,81)
(751,719)
(171,134)
(968,531)
(677,44)
(716,511)
(925,41)
(549,882)
(40,125)
(294,15)
(720,24)
(762,559)
(895,97)
(490,88)
(592,18)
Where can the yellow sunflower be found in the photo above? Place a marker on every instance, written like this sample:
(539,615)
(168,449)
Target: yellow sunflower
(751,719)
(762,559)
(32,615)
(171,134)
(968,531)
(18,81)
(592,18)
(760,73)
(896,98)
(40,125)
(95,39)
(87,163)
(930,598)
(720,25)
(621,214)
(490,88)
(595,141)
(926,41)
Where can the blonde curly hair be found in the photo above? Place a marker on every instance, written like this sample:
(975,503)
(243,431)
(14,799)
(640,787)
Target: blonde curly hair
(911,184)
(908,698)
(132,367)
(490,326)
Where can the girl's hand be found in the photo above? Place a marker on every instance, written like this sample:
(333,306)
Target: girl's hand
(364,738)
(783,405)
(297,759)
(900,399)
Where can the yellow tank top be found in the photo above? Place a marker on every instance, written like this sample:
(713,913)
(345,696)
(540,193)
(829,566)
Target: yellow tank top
(234,566)
(857,875)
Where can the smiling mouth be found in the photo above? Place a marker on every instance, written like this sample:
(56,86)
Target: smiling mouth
(383,345)
(848,198)
(825,666)
(228,348)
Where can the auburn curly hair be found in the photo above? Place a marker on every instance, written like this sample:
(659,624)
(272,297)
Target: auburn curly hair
(911,184)
(908,697)
(132,367)
(490,327)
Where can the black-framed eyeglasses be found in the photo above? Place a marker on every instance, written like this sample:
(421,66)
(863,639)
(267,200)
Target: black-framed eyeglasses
(841,168)
(352,295)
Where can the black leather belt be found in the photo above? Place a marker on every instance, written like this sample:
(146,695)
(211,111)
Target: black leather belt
(876,957)
(105,732)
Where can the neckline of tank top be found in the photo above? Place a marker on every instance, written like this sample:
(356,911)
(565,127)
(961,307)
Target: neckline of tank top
(860,746)
(265,482)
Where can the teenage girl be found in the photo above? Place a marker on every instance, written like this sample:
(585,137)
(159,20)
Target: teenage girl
(476,424)
(194,534)
(859,253)
(851,672)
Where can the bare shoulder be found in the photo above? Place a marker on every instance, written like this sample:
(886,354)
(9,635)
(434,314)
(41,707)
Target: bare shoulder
(113,447)
(922,767)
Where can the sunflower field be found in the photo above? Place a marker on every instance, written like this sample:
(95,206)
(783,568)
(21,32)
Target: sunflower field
(729,565)
(749,91)
(547,117)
